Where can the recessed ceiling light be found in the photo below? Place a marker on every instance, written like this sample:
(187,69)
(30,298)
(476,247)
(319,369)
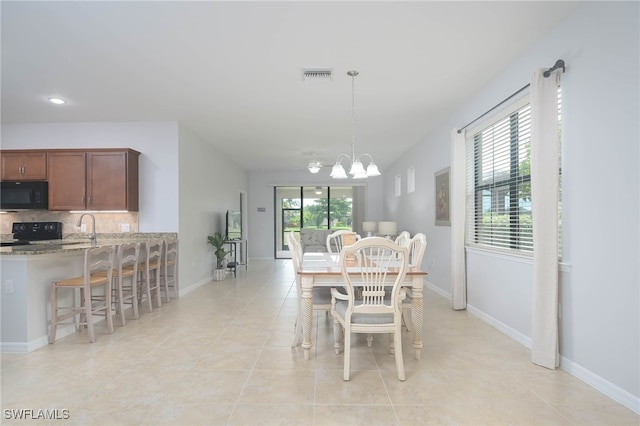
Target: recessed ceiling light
(57,101)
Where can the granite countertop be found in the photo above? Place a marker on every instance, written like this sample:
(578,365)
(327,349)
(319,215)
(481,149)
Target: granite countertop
(73,244)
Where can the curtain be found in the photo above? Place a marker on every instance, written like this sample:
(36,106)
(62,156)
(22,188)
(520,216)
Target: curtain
(545,190)
(457,210)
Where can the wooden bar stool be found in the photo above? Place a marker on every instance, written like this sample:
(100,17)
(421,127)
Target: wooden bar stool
(169,271)
(148,272)
(98,269)
(127,261)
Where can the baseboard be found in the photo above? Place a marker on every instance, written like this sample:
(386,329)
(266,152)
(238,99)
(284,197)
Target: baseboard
(607,388)
(619,395)
(185,290)
(514,334)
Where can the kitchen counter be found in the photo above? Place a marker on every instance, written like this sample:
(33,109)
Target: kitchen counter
(71,244)
(26,273)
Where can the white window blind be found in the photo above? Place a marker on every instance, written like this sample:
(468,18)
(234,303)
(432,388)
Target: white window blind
(499,183)
(498,171)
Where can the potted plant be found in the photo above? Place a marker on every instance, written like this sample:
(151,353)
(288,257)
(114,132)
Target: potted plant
(218,241)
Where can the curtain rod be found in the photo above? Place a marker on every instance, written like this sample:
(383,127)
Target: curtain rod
(559,64)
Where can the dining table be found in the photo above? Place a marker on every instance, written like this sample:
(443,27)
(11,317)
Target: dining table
(324,270)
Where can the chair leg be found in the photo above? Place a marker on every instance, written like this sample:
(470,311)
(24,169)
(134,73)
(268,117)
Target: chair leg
(347,354)
(134,297)
(120,305)
(86,302)
(337,335)
(156,275)
(147,289)
(109,312)
(53,299)
(407,319)
(398,352)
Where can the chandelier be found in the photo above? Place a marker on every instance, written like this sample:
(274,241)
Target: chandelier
(357,169)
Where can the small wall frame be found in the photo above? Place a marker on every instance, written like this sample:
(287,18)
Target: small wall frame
(442,197)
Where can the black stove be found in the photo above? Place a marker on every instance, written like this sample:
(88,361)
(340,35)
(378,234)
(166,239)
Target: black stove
(25,232)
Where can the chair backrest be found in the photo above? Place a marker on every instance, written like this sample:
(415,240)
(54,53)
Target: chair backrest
(296,250)
(98,259)
(170,252)
(128,255)
(417,246)
(378,267)
(403,239)
(154,253)
(338,239)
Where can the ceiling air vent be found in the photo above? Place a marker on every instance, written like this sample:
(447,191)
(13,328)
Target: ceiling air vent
(316,74)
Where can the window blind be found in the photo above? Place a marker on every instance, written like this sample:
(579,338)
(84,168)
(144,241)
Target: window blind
(499,183)
(498,172)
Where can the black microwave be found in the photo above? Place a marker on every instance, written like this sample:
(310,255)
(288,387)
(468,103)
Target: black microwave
(24,195)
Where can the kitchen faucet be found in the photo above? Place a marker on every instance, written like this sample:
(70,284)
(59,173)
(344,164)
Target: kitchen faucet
(92,237)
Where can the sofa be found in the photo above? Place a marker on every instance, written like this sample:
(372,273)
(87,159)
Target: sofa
(314,240)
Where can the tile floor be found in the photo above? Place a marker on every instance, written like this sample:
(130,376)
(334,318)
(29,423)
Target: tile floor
(221,355)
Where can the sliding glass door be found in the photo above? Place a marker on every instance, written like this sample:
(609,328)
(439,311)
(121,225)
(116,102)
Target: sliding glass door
(316,207)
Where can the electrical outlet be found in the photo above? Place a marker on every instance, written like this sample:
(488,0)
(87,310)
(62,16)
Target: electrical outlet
(125,227)
(8,286)
(83,228)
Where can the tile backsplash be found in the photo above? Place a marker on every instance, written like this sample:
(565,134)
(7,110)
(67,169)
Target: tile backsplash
(105,222)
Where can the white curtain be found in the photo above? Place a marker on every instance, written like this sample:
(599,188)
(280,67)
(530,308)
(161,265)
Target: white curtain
(544,190)
(457,199)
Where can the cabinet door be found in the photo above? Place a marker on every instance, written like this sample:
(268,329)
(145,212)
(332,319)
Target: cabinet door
(106,181)
(11,166)
(24,166)
(67,180)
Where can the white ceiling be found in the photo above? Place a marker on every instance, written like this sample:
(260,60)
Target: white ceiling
(231,71)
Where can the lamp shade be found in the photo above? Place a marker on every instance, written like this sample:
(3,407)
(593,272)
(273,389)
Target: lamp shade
(372,169)
(338,172)
(369,226)
(387,228)
(314,167)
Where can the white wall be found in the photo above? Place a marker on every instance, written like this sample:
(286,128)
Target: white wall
(600,324)
(210,184)
(157,142)
(261,186)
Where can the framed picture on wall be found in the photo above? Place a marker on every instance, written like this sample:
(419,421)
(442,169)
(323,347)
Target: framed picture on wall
(443,217)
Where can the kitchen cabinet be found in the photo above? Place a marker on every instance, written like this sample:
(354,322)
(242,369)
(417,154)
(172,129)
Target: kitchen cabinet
(23,165)
(101,179)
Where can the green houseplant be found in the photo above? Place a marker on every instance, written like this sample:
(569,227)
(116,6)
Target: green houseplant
(218,242)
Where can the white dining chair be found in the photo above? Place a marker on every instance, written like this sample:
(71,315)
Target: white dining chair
(338,239)
(403,239)
(417,246)
(321,295)
(377,266)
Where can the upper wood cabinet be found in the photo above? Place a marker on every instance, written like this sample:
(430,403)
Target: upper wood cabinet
(23,165)
(105,179)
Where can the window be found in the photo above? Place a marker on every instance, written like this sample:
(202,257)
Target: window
(499,183)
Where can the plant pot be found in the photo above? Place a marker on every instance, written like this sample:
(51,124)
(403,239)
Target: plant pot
(219,274)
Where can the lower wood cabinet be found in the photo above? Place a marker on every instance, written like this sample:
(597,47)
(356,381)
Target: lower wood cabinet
(93,179)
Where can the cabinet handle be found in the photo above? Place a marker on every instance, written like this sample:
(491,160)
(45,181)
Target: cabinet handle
(89,199)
